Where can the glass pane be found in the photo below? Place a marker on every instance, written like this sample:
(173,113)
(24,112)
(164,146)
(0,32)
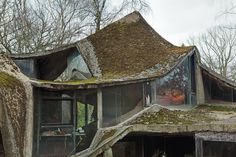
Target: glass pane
(120,103)
(76,68)
(56,146)
(86,118)
(56,112)
(173,88)
(91,113)
(27,66)
(80,115)
(216,91)
(56,138)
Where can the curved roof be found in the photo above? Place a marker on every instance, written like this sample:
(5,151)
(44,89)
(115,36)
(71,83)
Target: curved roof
(128,49)
(130,46)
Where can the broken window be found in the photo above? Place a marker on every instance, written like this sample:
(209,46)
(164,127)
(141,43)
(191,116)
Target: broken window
(177,87)
(121,102)
(76,68)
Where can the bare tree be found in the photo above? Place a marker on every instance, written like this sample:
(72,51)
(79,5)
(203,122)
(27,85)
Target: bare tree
(218,49)
(33,26)
(30,26)
(230,10)
(102,12)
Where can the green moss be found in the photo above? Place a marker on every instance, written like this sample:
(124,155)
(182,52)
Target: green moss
(165,116)
(198,115)
(128,48)
(220,108)
(92,80)
(7,80)
(74,82)
(13,96)
(107,134)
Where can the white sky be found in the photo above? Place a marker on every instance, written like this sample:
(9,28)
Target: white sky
(177,20)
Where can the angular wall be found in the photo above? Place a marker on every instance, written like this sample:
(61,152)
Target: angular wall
(16,110)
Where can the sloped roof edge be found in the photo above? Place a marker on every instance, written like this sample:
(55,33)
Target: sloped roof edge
(90,84)
(216,125)
(60,49)
(214,75)
(130,45)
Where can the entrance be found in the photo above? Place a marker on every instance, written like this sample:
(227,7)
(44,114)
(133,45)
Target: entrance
(2,153)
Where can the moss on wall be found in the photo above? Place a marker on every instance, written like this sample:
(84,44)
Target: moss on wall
(7,80)
(13,97)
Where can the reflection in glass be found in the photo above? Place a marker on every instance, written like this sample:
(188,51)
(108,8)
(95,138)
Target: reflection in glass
(172,89)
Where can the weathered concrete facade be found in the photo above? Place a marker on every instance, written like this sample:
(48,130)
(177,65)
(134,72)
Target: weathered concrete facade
(141,89)
(199,86)
(16,106)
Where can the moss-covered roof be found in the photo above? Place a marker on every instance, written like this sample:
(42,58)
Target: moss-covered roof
(130,46)
(168,120)
(203,114)
(128,49)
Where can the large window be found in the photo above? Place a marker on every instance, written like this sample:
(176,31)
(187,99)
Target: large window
(65,122)
(121,102)
(177,87)
(217,91)
(86,125)
(55,124)
(27,66)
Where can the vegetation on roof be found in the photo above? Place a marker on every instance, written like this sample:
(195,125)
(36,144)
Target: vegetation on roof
(107,134)
(127,48)
(92,80)
(200,114)
(221,108)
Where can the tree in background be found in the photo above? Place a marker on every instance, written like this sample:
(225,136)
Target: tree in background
(31,26)
(101,12)
(218,50)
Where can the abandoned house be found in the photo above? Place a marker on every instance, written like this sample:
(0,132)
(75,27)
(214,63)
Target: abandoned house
(122,92)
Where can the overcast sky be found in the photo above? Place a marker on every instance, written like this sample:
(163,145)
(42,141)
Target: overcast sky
(176,20)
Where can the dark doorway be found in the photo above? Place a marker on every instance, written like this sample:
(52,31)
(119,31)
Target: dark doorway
(219,149)
(155,146)
(172,146)
(2,152)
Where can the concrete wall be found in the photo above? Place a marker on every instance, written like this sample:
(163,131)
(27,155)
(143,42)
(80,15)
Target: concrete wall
(199,85)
